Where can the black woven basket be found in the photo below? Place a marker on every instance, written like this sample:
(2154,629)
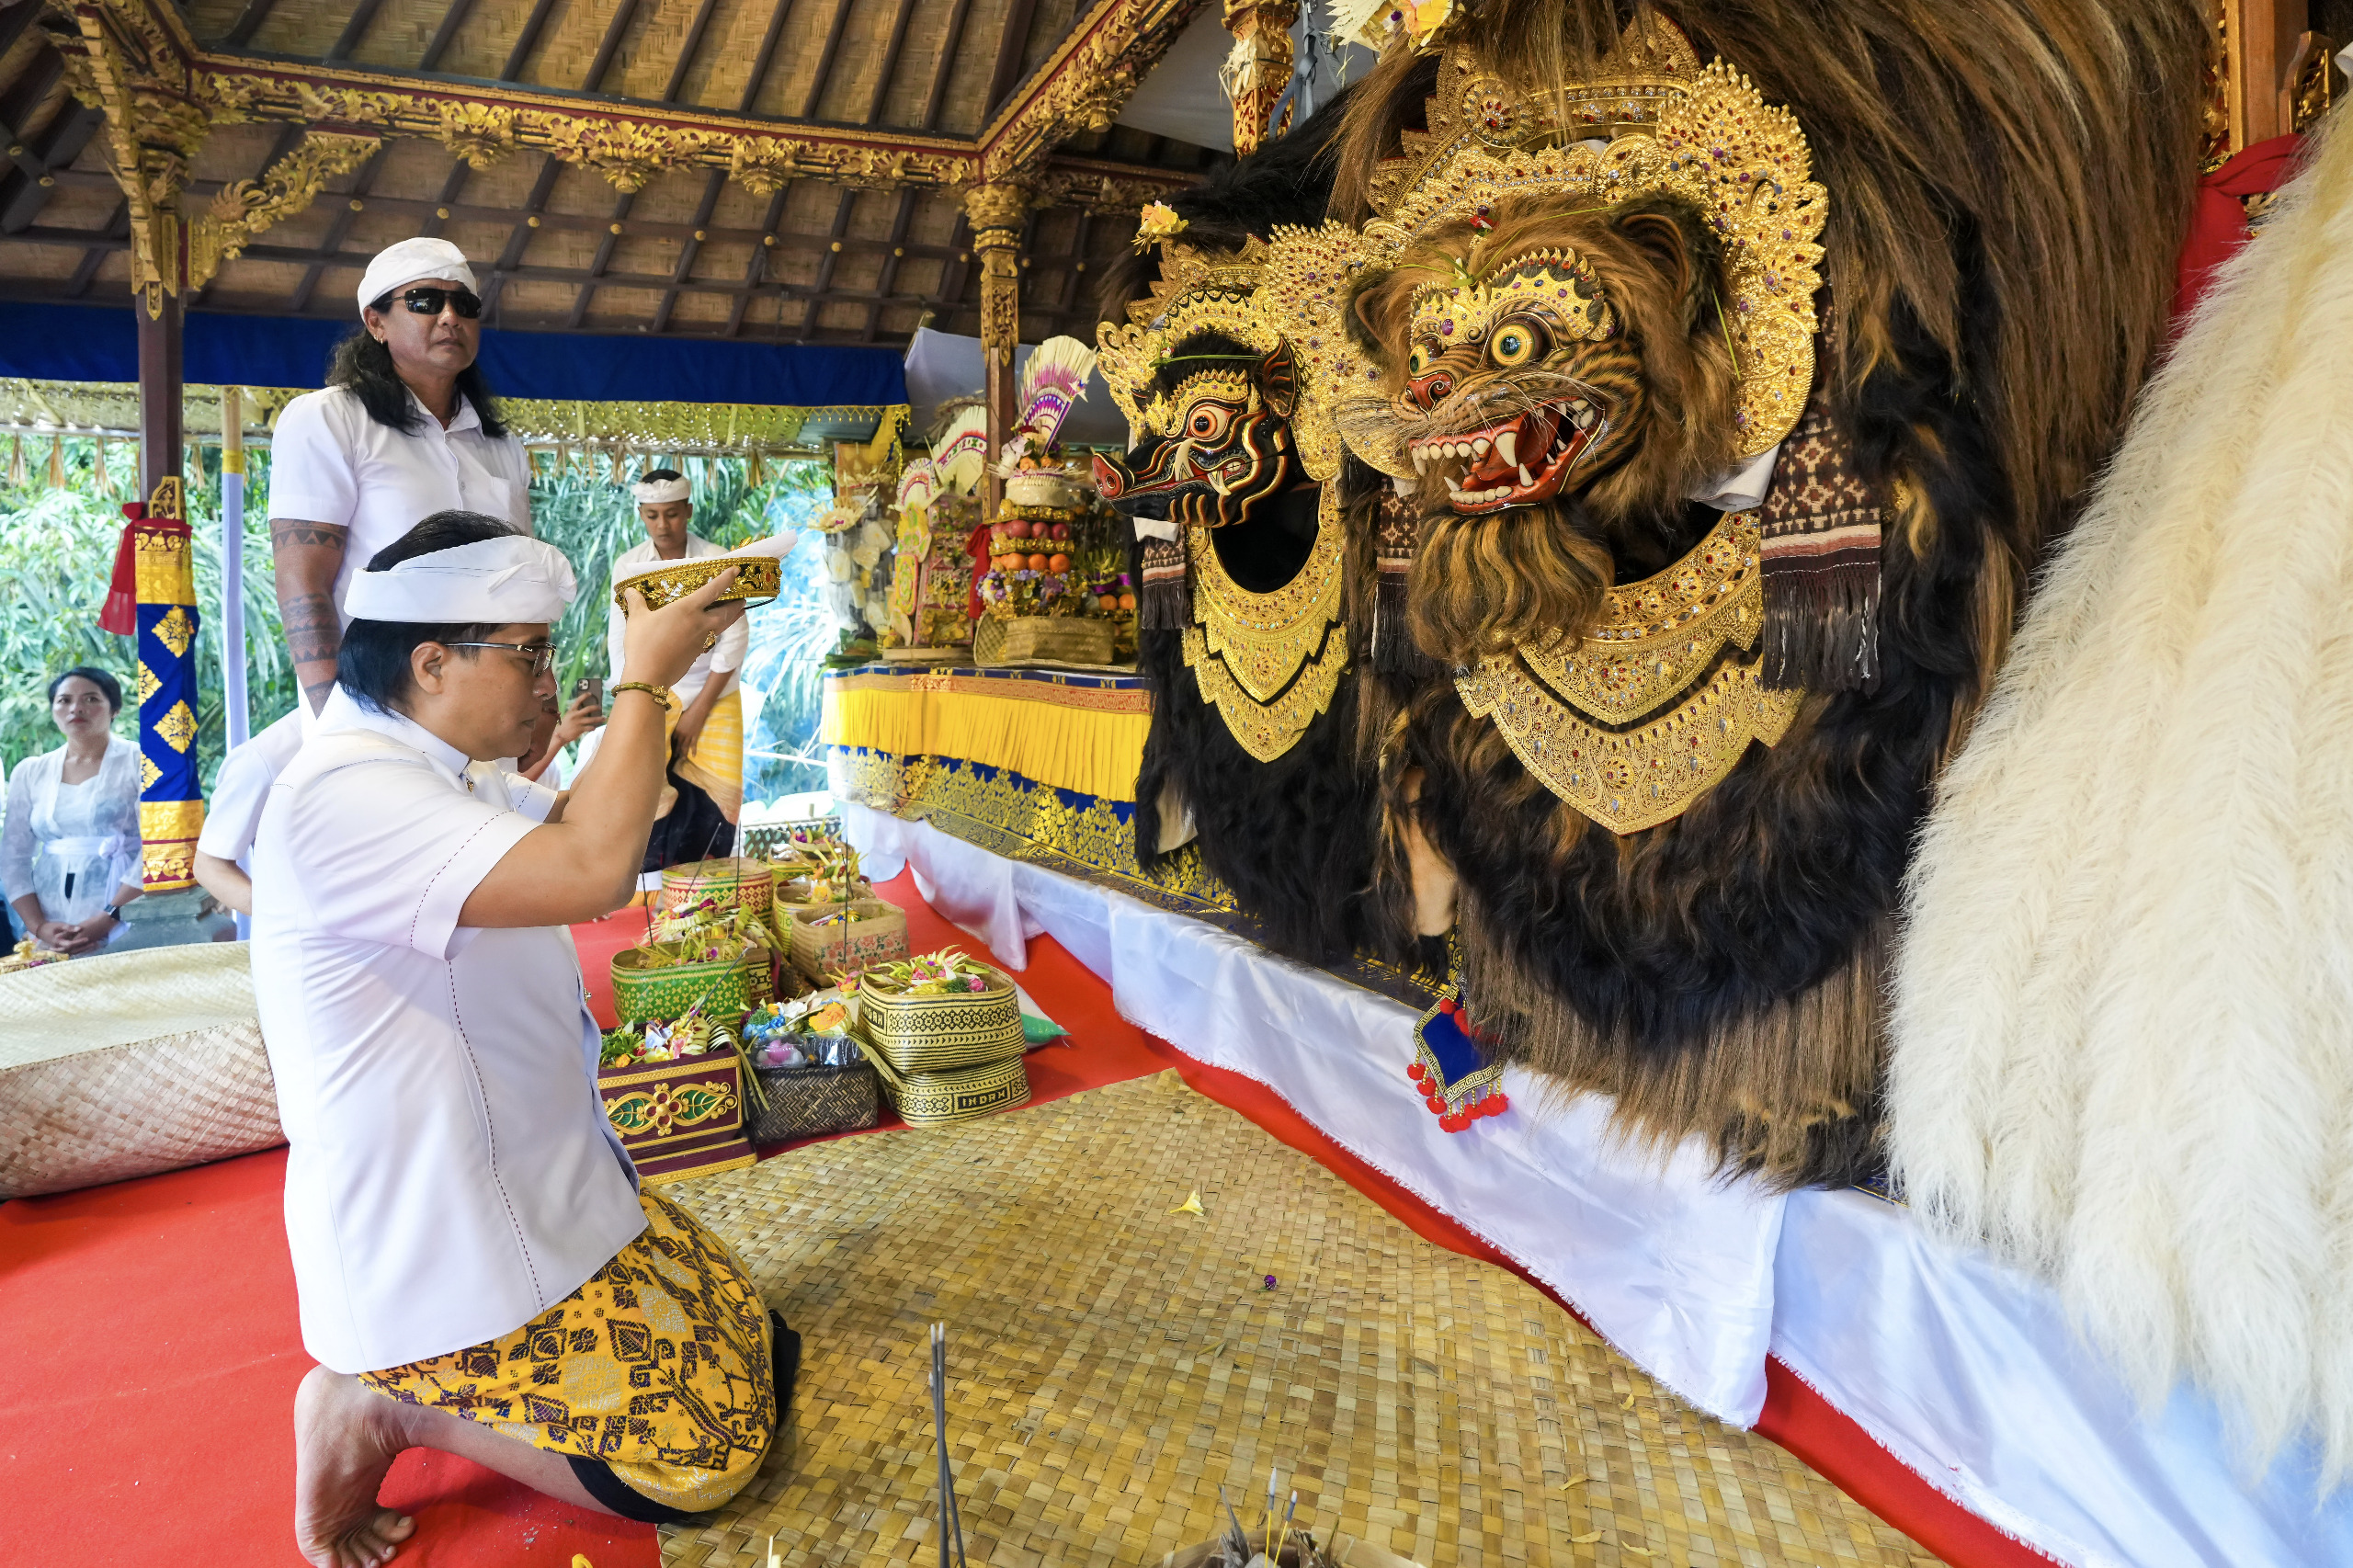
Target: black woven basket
(802,1101)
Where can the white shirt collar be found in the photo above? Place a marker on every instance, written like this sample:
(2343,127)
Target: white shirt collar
(343,711)
(467,418)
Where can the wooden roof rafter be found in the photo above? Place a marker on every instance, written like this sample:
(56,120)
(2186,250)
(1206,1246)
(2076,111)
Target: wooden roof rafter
(1079,87)
(340,117)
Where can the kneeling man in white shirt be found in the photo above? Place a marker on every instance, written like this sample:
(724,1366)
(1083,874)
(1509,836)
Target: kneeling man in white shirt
(477,1268)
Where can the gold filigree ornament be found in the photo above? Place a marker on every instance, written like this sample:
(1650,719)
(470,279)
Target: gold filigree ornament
(1659,703)
(1650,122)
(1205,291)
(1269,662)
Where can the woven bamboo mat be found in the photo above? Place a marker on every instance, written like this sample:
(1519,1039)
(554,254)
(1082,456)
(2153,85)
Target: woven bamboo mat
(1111,1365)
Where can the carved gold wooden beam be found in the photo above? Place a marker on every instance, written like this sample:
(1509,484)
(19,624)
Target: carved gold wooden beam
(1083,85)
(139,62)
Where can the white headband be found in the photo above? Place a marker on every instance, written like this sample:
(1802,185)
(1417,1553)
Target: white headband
(654,492)
(410,260)
(499,581)
(776,547)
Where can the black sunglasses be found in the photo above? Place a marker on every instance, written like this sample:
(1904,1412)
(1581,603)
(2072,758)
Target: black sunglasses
(433,301)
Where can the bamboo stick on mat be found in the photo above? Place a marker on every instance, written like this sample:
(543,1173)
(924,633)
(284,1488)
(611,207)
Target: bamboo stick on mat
(1116,1363)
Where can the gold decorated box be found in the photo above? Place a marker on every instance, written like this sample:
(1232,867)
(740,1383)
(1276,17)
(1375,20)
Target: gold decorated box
(875,933)
(678,1119)
(1042,640)
(654,982)
(761,577)
(932,1034)
(733,882)
(963,1094)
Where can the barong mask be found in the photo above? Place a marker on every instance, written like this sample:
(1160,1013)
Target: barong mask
(1243,548)
(1217,442)
(1567,317)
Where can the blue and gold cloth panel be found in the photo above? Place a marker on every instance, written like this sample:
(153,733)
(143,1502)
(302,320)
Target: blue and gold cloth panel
(171,800)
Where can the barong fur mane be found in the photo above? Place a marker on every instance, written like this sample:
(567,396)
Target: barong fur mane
(2123,1012)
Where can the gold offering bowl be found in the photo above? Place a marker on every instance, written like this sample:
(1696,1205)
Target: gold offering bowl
(761,577)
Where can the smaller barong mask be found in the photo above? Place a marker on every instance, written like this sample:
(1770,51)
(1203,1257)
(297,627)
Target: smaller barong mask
(1243,549)
(1217,441)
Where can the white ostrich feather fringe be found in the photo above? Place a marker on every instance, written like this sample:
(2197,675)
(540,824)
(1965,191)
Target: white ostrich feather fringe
(2123,1050)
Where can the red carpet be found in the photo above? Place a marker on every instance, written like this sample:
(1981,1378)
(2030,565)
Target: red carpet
(152,1354)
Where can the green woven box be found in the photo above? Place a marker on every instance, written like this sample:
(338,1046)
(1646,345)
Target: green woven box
(650,982)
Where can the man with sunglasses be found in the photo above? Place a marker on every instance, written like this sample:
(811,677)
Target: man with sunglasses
(404,428)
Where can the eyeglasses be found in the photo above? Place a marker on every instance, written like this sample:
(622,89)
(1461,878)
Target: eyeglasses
(433,301)
(542,654)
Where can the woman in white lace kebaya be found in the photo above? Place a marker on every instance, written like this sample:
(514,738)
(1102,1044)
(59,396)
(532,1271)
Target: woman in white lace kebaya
(69,852)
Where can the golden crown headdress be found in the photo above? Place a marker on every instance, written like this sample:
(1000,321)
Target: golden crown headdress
(1205,291)
(1651,121)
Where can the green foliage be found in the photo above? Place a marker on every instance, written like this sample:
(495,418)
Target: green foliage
(57,550)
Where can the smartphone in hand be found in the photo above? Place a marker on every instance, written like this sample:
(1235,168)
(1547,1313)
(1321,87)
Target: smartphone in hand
(591,687)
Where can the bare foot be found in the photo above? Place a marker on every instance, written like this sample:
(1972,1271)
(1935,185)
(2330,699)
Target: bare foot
(345,1439)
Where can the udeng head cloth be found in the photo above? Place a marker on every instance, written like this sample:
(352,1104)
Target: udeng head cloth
(410,260)
(660,492)
(494,582)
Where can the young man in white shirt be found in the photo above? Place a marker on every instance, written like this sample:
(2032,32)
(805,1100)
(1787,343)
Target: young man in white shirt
(405,428)
(476,1267)
(707,747)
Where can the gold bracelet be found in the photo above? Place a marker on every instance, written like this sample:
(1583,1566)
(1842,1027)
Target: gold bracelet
(661,694)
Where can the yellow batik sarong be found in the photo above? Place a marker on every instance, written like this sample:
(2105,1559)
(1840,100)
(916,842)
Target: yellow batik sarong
(715,766)
(660,1366)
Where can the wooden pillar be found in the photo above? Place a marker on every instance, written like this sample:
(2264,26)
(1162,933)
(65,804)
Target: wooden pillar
(996,214)
(157,311)
(2260,38)
(1259,68)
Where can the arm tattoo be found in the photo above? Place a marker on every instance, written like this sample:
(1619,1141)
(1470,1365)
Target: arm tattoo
(284,531)
(312,631)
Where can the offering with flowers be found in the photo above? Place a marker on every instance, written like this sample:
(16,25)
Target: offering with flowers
(695,1034)
(710,930)
(932,974)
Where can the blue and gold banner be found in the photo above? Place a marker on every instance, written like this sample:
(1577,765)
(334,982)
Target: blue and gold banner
(171,800)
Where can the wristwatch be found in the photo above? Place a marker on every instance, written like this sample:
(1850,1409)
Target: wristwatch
(111,911)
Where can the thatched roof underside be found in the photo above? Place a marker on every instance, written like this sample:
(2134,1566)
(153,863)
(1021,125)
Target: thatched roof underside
(684,255)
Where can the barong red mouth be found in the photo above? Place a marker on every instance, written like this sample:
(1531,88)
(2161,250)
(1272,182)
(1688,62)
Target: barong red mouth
(1522,460)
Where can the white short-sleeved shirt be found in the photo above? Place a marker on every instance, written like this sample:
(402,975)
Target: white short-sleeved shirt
(450,1173)
(330,463)
(241,788)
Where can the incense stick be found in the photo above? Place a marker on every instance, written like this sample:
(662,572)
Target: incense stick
(951,1523)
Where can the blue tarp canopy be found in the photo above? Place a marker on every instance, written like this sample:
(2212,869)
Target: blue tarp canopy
(96,343)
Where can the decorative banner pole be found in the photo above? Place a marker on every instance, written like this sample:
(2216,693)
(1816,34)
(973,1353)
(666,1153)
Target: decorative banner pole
(233,564)
(162,561)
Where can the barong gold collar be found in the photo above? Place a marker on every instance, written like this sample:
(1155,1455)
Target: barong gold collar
(1649,712)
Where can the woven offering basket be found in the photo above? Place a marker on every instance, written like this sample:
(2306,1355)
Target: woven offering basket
(877,933)
(804,1101)
(761,576)
(678,1119)
(650,982)
(966,1093)
(732,883)
(792,892)
(933,1034)
(1042,640)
